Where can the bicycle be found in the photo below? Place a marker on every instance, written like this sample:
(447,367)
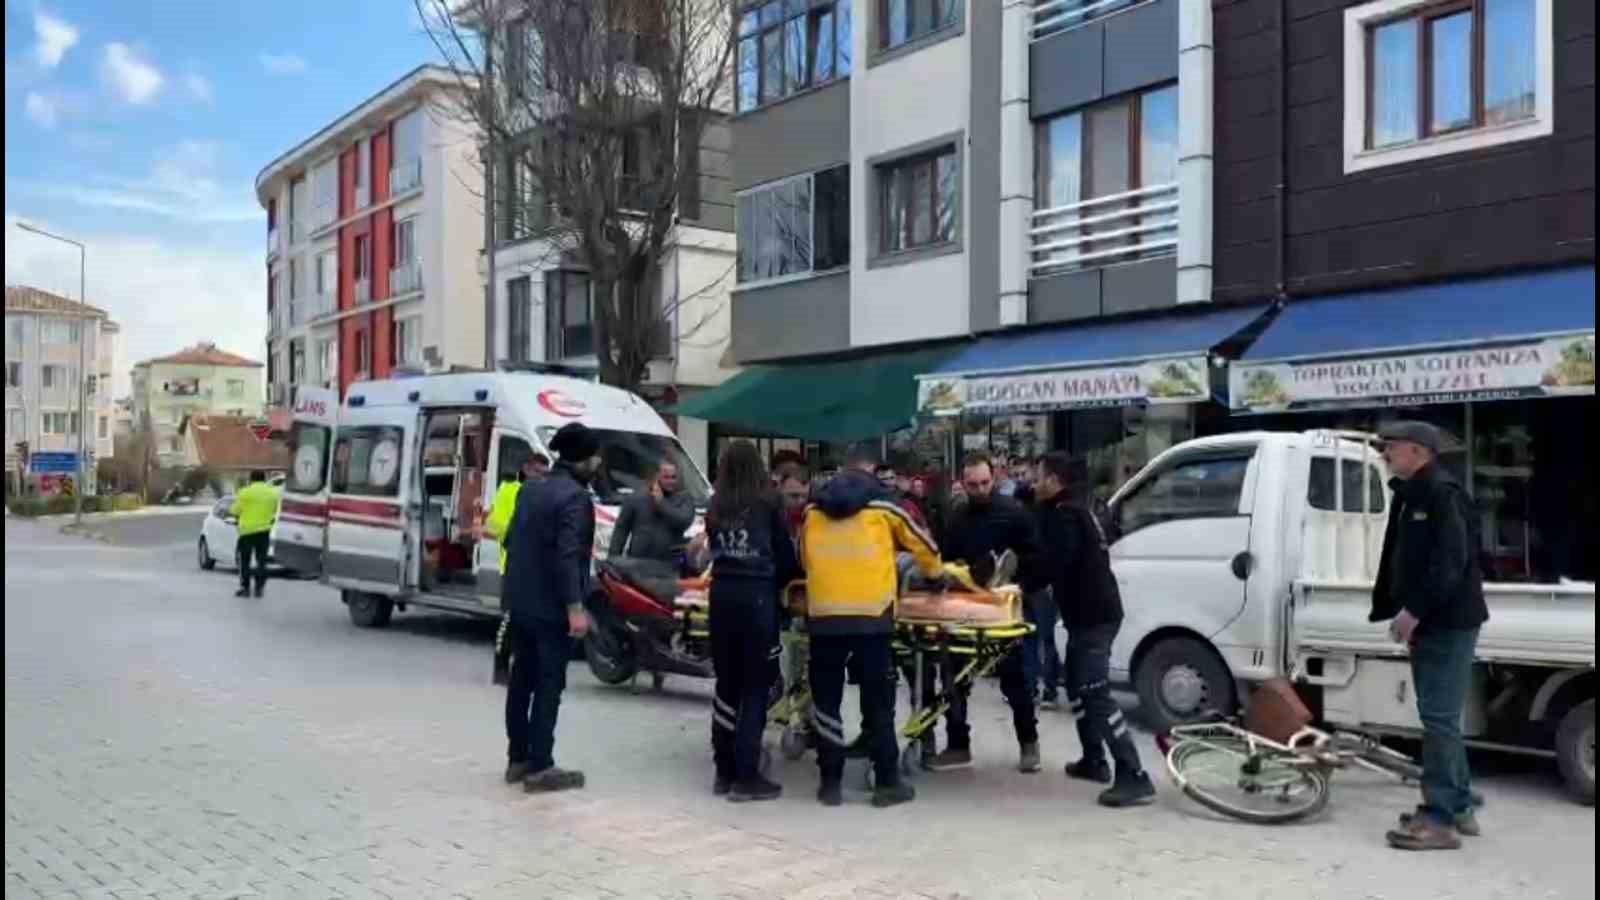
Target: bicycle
(1240,774)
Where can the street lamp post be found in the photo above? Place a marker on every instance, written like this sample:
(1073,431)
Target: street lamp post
(83,413)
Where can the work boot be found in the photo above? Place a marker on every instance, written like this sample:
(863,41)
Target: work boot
(551,780)
(885,796)
(515,772)
(950,759)
(722,785)
(1466,823)
(1089,770)
(757,788)
(1421,832)
(1028,761)
(1129,790)
(830,794)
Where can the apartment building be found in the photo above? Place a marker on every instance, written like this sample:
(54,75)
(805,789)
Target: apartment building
(43,333)
(374,232)
(201,379)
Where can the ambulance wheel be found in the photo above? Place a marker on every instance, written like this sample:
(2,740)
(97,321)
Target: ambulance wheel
(207,563)
(793,741)
(368,610)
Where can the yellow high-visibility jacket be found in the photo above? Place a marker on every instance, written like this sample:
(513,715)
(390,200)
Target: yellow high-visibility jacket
(256,506)
(847,547)
(505,503)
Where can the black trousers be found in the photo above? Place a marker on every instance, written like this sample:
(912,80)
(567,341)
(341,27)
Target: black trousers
(744,654)
(829,655)
(253,546)
(1015,686)
(1100,720)
(538,676)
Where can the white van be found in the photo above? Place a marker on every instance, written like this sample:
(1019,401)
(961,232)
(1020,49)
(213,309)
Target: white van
(1242,557)
(388,492)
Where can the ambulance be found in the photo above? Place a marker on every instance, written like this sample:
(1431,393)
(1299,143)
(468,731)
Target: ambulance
(388,492)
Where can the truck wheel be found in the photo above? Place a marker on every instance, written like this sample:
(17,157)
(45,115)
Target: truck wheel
(1575,751)
(1179,679)
(368,610)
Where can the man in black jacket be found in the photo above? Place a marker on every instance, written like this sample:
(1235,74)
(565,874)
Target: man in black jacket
(652,522)
(546,582)
(1078,567)
(985,527)
(1430,589)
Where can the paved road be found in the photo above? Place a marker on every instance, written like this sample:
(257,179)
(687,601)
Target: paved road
(164,739)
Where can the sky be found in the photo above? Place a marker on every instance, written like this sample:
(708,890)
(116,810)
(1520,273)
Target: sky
(138,128)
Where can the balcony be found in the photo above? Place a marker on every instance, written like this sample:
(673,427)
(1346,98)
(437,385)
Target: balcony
(1104,230)
(274,243)
(405,278)
(1053,16)
(406,175)
(363,290)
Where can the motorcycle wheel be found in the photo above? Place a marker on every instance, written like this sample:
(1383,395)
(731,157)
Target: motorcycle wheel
(610,655)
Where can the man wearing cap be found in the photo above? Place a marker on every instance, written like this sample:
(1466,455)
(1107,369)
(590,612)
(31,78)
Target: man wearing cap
(1430,589)
(550,541)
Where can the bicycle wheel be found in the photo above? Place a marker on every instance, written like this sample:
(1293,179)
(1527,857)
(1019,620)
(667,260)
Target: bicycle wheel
(1266,788)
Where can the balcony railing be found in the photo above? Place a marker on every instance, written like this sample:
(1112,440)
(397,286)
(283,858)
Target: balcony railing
(363,290)
(405,278)
(405,175)
(1105,230)
(274,242)
(1052,16)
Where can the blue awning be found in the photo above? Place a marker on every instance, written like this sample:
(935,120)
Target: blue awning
(1158,359)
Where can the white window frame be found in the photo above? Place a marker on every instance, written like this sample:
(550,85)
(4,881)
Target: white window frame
(1358,158)
(408,340)
(811,219)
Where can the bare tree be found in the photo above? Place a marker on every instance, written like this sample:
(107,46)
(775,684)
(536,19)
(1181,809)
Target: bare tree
(593,111)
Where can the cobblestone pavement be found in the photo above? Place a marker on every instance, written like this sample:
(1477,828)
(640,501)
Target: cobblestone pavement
(164,739)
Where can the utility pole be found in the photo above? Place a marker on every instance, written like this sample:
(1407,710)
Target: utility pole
(82,319)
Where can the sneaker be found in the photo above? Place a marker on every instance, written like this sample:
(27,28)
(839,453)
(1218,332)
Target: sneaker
(830,794)
(551,780)
(1130,790)
(1028,761)
(885,796)
(515,772)
(1423,833)
(949,759)
(1466,823)
(722,785)
(1089,770)
(757,788)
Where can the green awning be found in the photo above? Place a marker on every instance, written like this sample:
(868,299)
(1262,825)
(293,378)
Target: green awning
(836,400)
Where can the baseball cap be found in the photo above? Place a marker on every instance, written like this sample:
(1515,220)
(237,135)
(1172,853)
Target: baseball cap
(1422,434)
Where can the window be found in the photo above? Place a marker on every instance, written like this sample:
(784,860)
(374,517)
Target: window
(16,329)
(325,193)
(1106,182)
(405,163)
(72,426)
(89,385)
(58,331)
(1195,488)
(16,424)
(299,209)
(327,361)
(627,459)
(786,46)
(327,273)
(309,468)
(569,315)
(52,377)
(1320,488)
(235,387)
(294,279)
(902,21)
(13,374)
(366,461)
(1424,78)
(297,361)
(359,175)
(1058,16)
(795,226)
(407,341)
(405,242)
(363,352)
(519,317)
(53,423)
(363,257)
(525,209)
(918,200)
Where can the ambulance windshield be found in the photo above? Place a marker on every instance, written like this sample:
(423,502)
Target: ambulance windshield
(629,458)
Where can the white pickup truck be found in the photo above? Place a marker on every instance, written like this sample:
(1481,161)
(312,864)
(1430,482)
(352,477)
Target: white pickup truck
(1249,556)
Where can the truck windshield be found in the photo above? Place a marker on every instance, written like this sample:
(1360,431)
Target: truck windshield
(628,458)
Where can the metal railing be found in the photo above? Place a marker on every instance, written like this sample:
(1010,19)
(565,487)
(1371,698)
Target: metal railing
(1053,16)
(405,278)
(405,175)
(1103,230)
(363,290)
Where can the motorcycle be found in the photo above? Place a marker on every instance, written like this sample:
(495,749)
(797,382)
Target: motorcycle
(639,623)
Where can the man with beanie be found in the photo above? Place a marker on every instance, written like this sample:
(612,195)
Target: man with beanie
(551,539)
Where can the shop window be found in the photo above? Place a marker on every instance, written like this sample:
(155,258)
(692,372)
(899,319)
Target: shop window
(1321,490)
(366,461)
(1208,487)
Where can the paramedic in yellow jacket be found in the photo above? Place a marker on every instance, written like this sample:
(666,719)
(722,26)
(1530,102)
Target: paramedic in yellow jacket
(496,526)
(848,542)
(256,508)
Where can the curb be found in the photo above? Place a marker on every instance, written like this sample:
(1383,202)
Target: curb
(85,533)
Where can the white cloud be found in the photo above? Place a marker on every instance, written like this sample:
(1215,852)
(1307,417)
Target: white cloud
(133,78)
(282,63)
(165,292)
(54,38)
(41,109)
(183,184)
(199,87)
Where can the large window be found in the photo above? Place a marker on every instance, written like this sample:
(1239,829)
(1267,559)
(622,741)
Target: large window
(405,163)
(52,377)
(1106,182)
(325,193)
(58,331)
(327,274)
(919,200)
(519,318)
(903,21)
(405,242)
(524,209)
(629,458)
(786,46)
(569,315)
(796,226)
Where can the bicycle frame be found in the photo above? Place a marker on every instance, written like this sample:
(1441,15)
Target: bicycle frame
(1310,746)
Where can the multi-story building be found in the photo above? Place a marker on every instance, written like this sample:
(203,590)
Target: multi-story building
(373,237)
(201,379)
(43,332)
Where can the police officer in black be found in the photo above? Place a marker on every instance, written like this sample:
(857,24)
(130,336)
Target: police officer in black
(752,557)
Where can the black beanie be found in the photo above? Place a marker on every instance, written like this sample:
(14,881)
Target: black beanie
(575,442)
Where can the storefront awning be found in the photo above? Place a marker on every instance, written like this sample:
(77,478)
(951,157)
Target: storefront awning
(834,400)
(1152,360)
(1528,335)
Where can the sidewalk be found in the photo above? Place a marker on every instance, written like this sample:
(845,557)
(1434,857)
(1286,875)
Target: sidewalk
(141,512)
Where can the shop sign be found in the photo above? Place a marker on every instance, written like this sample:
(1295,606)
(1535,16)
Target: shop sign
(1177,380)
(1551,367)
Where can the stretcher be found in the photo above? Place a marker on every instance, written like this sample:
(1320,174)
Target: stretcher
(790,711)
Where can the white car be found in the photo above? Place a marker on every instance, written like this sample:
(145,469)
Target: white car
(219,537)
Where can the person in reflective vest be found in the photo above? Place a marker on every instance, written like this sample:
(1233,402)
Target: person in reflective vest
(496,527)
(256,507)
